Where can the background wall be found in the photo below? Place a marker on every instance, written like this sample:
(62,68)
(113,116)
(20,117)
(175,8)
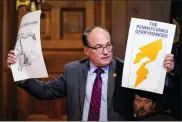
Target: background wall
(62,24)
(1,54)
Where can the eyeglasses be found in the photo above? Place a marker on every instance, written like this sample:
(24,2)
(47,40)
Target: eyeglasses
(101,48)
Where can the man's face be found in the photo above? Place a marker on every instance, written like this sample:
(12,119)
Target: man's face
(143,106)
(99,38)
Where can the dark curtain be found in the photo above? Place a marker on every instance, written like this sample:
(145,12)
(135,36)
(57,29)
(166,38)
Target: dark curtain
(176,50)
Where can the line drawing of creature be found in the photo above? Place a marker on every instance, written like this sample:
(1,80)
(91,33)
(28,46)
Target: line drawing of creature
(25,53)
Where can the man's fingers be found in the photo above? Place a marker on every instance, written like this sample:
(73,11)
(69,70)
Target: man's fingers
(168,62)
(11,58)
(169,57)
(11,51)
(11,55)
(169,66)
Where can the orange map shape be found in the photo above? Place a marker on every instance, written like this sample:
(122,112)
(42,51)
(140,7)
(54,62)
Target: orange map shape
(151,51)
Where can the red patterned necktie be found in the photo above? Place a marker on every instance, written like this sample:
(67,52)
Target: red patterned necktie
(95,103)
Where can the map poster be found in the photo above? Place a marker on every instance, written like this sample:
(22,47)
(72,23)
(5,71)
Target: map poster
(28,51)
(148,43)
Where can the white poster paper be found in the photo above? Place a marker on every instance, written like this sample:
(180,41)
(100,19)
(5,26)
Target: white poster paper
(28,52)
(148,43)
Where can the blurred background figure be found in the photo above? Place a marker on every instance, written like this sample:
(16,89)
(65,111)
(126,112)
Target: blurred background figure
(145,107)
(144,104)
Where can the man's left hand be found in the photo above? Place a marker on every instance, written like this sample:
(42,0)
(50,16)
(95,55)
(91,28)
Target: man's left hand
(169,62)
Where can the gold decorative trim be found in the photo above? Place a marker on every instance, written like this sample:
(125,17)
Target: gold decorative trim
(25,3)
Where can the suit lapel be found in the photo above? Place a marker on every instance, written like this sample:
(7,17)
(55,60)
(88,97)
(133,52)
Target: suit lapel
(83,72)
(82,79)
(111,83)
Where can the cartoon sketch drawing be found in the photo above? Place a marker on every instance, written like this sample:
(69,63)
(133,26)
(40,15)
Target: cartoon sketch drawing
(28,51)
(25,52)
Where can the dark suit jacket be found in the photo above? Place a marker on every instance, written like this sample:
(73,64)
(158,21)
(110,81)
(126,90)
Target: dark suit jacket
(72,84)
(158,116)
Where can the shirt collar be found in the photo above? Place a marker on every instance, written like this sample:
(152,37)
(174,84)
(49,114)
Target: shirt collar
(93,68)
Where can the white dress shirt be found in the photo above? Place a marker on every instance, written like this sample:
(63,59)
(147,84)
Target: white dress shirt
(90,81)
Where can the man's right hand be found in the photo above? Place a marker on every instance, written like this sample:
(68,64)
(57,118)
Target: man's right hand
(11,58)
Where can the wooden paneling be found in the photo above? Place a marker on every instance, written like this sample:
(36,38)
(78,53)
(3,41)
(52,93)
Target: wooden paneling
(1,55)
(106,14)
(9,35)
(72,29)
(23,107)
(153,10)
(160,14)
(60,15)
(62,44)
(97,13)
(45,26)
(65,41)
(4,84)
(118,27)
(54,61)
(103,14)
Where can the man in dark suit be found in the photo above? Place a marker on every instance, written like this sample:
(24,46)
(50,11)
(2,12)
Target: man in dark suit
(92,86)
